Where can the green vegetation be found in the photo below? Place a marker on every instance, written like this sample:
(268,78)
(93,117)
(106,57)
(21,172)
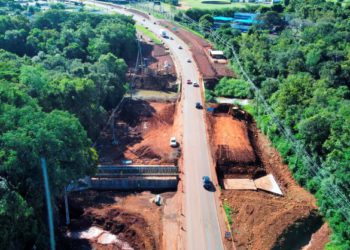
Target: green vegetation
(148,33)
(228,87)
(209,95)
(228,211)
(60,74)
(303,73)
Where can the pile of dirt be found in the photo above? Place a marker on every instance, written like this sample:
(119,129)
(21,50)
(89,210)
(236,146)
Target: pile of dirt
(231,144)
(231,141)
(259,218)
(319,239)
(143,130)
(128,227)
(132,218)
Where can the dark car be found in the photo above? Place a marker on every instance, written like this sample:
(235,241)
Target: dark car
(206,182)
(199,105)
(189,81)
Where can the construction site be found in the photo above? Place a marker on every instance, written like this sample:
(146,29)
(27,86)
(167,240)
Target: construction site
(269,210)
(135,155)
(114,220)
(266,201)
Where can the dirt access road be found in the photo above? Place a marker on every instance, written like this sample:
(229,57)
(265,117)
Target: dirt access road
(202,225)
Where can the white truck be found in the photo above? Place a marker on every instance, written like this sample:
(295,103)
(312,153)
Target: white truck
(163,33)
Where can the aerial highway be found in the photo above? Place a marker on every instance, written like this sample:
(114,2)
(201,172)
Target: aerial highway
(202,225)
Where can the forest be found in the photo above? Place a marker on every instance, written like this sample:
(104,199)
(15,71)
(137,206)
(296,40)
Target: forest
(60,74)
(299,57)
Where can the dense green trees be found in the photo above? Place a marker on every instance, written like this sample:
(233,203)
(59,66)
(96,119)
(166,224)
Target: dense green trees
(232,88)
(60,74)
(78,53)
(16,216)
(304,74)
(26,134)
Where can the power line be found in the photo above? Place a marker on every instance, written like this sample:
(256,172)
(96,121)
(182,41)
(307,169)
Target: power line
(110,121)
(320,170)
(138,59)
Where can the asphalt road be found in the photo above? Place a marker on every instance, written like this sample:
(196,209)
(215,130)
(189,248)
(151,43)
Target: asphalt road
(202,225)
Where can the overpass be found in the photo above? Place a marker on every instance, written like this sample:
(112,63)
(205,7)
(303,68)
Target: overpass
(135,177)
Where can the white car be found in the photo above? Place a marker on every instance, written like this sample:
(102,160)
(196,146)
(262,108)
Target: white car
(173,142)
(188,60)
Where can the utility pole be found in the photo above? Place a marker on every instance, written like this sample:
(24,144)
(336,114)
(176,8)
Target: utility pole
(48,203)
(114,141)
(66,205)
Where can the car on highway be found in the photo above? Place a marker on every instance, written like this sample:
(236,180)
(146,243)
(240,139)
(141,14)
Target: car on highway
(195,84)
(188,60)
(173,142)
(207,184)
(206,181)
(179,47)
(189,81)
(199,105)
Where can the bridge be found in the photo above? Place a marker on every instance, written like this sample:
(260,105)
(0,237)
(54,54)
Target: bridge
(135,177)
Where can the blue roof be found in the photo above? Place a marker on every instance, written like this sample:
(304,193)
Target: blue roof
(241,15)
(243,28)
(245,21)
(223,18)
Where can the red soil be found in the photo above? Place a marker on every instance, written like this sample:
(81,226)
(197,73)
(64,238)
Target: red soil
(260,218)
(319,239)
(238,143)
(199,48)
(143,130)
(134,218)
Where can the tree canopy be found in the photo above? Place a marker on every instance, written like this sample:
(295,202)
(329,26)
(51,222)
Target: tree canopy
(60,74)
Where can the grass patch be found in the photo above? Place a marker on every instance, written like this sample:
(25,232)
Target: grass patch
(148,33)
(228,212)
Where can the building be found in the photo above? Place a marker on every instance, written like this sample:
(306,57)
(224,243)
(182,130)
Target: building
(221,20)
(243,21)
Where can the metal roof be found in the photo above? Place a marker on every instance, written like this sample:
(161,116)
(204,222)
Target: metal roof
(223,19)
(217,52)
